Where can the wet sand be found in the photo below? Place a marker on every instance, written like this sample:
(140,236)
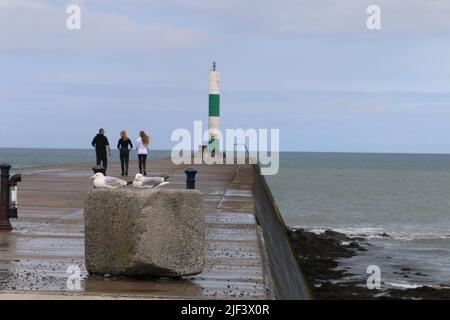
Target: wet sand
(318,256)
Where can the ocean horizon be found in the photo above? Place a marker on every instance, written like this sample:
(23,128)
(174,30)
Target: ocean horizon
(21,158)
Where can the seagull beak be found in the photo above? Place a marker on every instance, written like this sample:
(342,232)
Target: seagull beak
(92,178)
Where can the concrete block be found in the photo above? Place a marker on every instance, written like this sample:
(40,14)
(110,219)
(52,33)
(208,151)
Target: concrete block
(144,232)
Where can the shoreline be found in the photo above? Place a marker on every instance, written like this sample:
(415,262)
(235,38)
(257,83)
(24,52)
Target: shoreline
(320,255)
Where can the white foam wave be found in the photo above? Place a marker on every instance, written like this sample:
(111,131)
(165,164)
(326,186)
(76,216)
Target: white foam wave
(380,233)
(404,285)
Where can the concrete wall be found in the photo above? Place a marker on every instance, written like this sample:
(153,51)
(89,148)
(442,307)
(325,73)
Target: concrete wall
(289,283)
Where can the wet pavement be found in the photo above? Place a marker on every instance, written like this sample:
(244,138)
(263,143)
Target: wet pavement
(48,238)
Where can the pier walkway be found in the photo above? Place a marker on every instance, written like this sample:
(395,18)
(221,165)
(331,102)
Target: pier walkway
(48,238)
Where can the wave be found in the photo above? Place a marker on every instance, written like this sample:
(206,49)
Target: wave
(381,233)
(408,285)
(404,285)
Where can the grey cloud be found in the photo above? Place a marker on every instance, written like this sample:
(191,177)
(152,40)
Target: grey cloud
(32,25)
(342,19)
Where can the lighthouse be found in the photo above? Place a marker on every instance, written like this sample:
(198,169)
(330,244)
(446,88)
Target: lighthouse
(214,109)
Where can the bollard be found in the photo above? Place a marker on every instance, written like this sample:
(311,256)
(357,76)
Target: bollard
(98,169)
(6,211)
(13,194)
(190,178)
(4,197)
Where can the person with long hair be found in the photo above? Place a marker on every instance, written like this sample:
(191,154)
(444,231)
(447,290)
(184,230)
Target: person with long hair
(124,145)
(142,144)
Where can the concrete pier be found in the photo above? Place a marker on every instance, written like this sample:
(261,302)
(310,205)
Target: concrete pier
(48,238)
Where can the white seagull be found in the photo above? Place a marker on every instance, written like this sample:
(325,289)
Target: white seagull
(100,181)
(149,182)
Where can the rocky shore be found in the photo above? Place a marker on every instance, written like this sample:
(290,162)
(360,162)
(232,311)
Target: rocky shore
(318,256)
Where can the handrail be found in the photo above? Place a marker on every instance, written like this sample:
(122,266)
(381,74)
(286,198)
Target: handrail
(247,153)
(242,144)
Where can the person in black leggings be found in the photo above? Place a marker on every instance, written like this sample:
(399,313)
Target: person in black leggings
(142,144)
(101,145)
(124,145)
(142,158)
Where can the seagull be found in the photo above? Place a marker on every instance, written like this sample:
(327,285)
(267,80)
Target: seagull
(100,181)
(149,182)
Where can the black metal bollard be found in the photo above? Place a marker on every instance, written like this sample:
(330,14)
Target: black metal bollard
(99,169)
(6,211)
(4,197)
(190,178)
(13,201)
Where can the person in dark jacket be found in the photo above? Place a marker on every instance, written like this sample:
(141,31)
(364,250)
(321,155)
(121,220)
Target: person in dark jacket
(102,148)
(124,145)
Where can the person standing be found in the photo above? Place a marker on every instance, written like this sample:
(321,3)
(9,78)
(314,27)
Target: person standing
(142,144)
(101,145)
(124,145)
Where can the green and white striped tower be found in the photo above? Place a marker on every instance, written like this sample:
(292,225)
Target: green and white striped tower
(214,109)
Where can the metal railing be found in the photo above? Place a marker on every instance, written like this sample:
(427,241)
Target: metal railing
(248,157)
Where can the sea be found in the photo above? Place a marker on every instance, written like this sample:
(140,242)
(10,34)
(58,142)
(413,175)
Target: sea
(28,158)
(404,196)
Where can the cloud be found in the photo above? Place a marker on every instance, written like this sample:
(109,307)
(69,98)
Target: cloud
(321,18)
(33,24)
(41,28)
(339,20)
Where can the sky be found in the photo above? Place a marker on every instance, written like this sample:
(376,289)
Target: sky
(311,69)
